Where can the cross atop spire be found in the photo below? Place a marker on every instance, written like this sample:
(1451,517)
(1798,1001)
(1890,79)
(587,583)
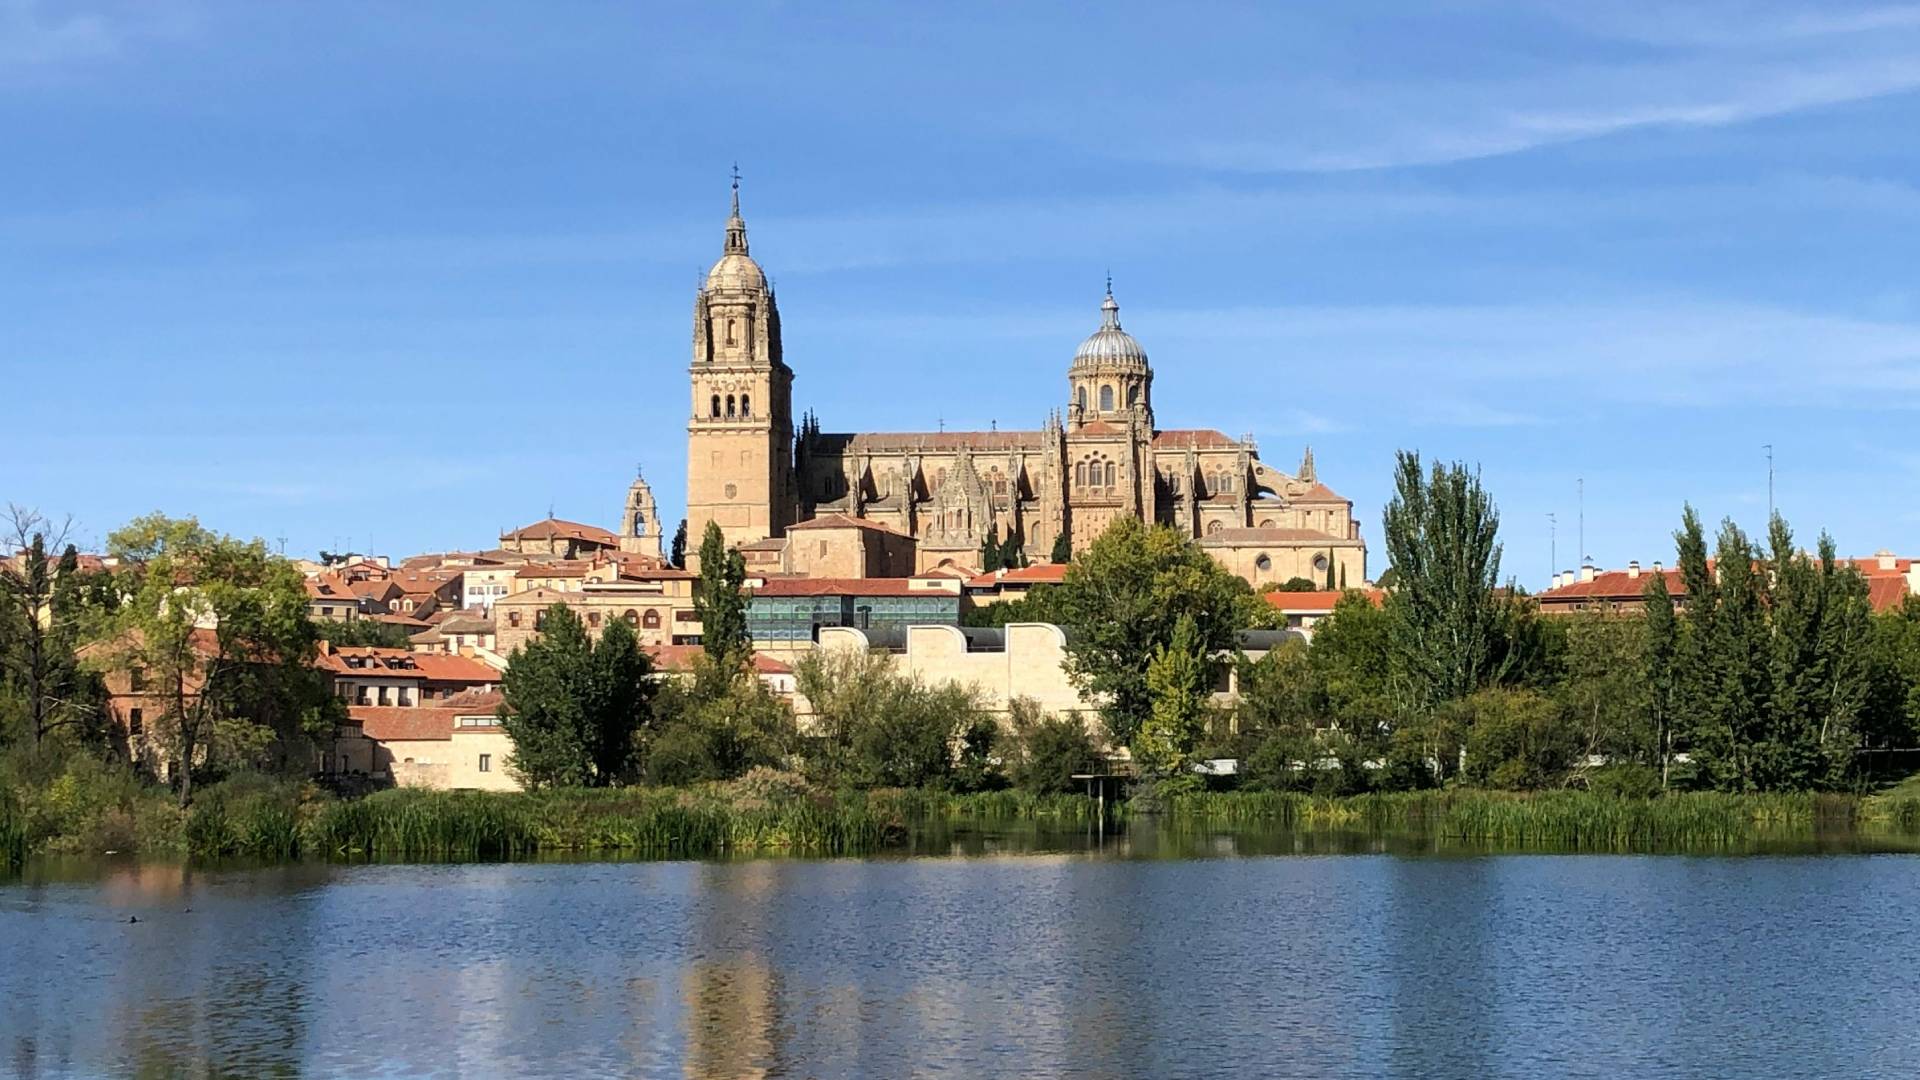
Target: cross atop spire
(736,226)
(736,189)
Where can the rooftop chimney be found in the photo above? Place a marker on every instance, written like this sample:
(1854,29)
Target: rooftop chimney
(1886,559)
(1633,569)
(1586,572)
(1656,566)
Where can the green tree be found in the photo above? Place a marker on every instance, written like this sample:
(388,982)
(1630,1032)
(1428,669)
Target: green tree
(1441,532)
(677,552)
(990,556)
(356,632)
(1178,685)
(1820,625)
(1123,598)
(1062,552)
(1046,751)
(1604,692)
(1515,739)
(218,630)
(575,709)
(874,727)
(720,599)
(1660,641)
(1295,584)
(718,729)
(1890,718)
(42,608)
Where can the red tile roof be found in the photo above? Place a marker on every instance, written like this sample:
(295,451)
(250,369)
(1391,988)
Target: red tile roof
(1886,591)
(842,587)
(558,529)
(1614,586)
(1199,438)
(1038,574)
(431,667)
(682,657)
(1318,493)
(1318,602)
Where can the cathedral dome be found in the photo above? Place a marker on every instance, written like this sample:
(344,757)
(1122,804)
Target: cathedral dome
(735,270)
(1110,344)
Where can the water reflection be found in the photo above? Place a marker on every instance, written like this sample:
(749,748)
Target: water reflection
(1160,952)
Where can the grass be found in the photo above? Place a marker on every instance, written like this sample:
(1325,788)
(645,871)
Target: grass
(1566,819)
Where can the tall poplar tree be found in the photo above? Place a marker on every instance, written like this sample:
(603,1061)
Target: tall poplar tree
(1441,530)
(720,599)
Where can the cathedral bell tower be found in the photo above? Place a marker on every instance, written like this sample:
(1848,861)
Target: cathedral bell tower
(740,436)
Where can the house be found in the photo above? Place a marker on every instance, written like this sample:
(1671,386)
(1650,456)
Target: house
(566,539)
(456,743)
(399,678)
(462,633)
(1890,580)
(1303,609)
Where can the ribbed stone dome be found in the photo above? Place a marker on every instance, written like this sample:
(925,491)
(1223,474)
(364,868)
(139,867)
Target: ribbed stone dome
(735,270)
(1110,344)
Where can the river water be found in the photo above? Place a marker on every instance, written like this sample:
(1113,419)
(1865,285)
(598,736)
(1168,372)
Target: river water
(1103,958)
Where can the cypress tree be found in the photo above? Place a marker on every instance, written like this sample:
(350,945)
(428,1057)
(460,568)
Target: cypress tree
(1062,549)
(720,599)
(1662,645)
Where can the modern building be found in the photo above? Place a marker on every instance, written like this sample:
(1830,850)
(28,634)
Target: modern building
(786,615)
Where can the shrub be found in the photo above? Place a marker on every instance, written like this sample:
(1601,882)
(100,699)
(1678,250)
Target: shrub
(877,728)
(1514,739)
(1047,750)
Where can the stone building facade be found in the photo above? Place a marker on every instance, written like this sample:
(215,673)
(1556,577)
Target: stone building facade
(1099,457)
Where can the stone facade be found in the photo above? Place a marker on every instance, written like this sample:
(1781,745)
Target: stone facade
(1098,458)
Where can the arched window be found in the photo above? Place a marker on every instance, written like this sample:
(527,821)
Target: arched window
(1080,397)
(632,617)
(651,620)
(1106,399)
(1212,527)
(1226,482)
(729,331)
(1113,474)
(746,408)
(729,406)
(593,619)
(539,619)
(1133,395)
(1080,475)
(1266,523)
(716,406)
(1320,563)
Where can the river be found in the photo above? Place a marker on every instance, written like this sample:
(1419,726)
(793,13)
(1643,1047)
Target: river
(1121,957)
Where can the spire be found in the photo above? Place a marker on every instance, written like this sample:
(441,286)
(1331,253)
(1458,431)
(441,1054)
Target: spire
(1109,309)
(1306,467)
(736,225)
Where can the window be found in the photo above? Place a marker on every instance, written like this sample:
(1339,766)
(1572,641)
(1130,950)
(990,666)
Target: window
(1266,523)
(136,679)
(1080,475)
(385,695)
(1113,473)
(729,406)
(729,331)
(1080,397)
(716,406)
(823,549)
(406,698)
(486,762)
(1133,395)
(539,619)
(1320,563)
(136,722)
(632,617)
(513,618)
(593,619)
(1106,399)
(746,409)
(1262,563)
(1212,527)
(651,620)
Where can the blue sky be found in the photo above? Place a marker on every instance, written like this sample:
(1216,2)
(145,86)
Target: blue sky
(396,276)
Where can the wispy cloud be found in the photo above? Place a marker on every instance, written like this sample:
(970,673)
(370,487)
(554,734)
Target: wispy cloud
(33,35)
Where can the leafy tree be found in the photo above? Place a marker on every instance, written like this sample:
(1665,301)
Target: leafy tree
(1046,750)
(874,727)
(1295,584)
(677,552)
(1441,531)
(977,765)
(1515,739)
(218,629)
(1389,579)
(1036,606)
(368,632)
(718,729)
(1062,552)
(1660,641)
(1123,598)
(1603,690)
(575,708)
(1178,685)
(991,558)
(42,607)
(1891,714)
(720,599)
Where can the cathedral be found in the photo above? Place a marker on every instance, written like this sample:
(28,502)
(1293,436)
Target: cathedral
(758,473)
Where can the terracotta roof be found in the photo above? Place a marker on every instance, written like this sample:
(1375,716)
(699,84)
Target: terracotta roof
(468,702)
(933,440)
(1319,601)
(557,529)
(1886,591)
(1100,427)
(1038,574)
(432,667)
(1271,536)
(401,723)
(842,587)
(1318,493)
(682,657)
(845,521)
(1201,438)
(771,543)
(552,596)
(1613,585)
